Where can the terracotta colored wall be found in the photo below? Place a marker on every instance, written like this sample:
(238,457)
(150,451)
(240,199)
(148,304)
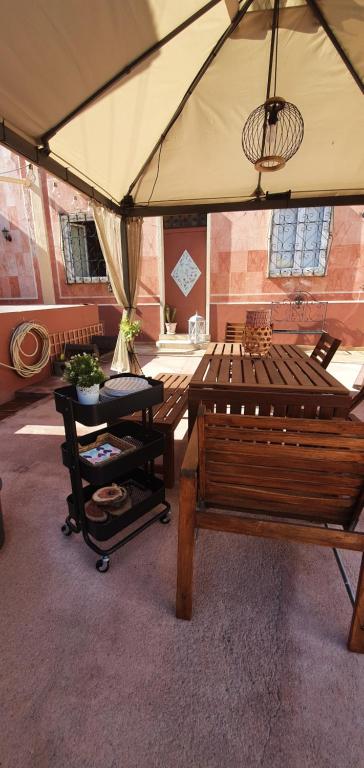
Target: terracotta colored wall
(53,319)
(19,269)
(239,273)
(175,242)
(111,314)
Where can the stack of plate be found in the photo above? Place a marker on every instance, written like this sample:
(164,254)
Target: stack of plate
(119,387)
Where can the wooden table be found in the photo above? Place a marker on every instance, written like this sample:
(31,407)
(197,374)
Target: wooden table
(222,348)
(285,383)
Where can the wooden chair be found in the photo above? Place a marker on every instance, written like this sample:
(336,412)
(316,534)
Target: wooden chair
(235,332)
(295,478)
(325,349)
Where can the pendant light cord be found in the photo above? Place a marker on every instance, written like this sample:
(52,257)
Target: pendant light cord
(276,54)
(272,47)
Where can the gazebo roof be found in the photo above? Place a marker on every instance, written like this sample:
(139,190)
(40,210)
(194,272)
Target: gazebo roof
(147,98)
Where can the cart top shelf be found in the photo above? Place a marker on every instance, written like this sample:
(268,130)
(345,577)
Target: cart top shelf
(92,415)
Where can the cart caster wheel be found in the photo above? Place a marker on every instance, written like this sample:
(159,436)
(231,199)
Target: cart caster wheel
(103,564)
(166,518)
(66,530)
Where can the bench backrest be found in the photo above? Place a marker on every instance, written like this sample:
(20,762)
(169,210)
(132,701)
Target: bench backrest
(298,468)
(299,314)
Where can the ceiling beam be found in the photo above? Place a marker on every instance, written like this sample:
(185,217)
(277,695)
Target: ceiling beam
(316,10)
(126,70)
(230,29)
(265,203)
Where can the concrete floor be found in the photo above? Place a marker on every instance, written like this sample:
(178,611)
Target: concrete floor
(97,671)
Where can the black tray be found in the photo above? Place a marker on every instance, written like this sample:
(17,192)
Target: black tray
(100,474)
(92,415)
(152,494)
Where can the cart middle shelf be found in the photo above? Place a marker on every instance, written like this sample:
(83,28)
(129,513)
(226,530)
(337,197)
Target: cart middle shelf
(141,445)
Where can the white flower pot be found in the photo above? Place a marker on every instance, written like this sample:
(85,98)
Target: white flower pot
(88,395)
(171,327)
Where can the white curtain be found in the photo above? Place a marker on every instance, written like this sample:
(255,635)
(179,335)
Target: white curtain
(109,234)
(134,240)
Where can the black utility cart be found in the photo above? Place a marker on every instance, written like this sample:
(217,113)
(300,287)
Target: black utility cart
(133,470)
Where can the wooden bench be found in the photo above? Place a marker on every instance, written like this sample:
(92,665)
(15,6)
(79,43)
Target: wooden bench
(294,477)
(167,415)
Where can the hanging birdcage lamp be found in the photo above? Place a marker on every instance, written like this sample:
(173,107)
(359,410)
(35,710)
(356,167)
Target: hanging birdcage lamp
(273,132)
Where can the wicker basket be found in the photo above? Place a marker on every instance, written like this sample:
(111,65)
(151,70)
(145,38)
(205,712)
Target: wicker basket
(258,318)
(258,340)
(125,446)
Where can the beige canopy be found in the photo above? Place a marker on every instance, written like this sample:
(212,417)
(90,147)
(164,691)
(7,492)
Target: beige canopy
(147,98)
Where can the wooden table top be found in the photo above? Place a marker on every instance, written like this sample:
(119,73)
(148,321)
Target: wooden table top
(285,368)
(236,348)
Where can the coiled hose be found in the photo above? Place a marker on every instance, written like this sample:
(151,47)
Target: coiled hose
(39,334)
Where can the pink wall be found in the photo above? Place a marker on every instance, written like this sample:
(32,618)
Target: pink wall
(19,269)
(61,198)
(239,273)
(149,291)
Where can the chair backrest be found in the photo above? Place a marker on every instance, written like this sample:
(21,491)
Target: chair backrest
(235,332)
(298,404)
(325,349)
(298,468)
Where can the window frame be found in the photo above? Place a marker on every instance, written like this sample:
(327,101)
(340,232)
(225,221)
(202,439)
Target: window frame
(69,261)
(301,224)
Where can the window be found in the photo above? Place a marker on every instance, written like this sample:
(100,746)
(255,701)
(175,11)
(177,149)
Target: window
(83,257)
(299,241)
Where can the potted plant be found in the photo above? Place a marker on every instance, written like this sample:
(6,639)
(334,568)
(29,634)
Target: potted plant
(85,373)
(169,319)
(130,329)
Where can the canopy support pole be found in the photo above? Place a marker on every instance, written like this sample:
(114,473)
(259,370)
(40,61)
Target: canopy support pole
(125,258)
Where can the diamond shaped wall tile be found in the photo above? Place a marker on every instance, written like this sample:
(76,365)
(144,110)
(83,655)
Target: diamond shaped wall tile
(186,273)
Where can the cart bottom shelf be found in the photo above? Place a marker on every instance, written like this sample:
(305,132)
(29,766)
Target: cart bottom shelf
(145,492)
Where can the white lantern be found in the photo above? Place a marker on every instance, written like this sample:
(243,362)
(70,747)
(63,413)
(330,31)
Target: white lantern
(196,328)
